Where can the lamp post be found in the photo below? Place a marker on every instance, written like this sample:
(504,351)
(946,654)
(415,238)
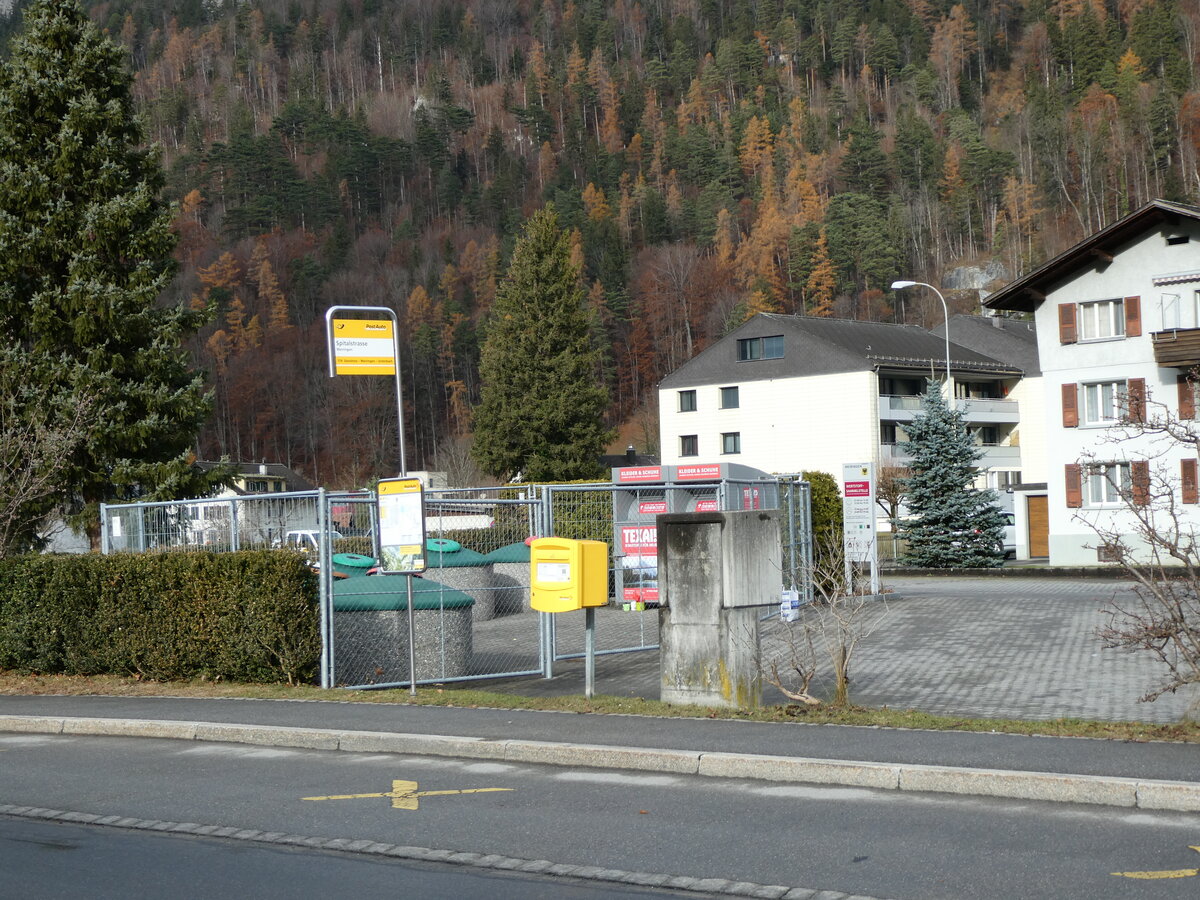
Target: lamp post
(901,285)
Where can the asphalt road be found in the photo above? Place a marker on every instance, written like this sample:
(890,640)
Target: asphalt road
(46,860)
(857,841)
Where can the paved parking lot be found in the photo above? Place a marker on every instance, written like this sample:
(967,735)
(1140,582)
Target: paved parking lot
(993,647)
(1007,647)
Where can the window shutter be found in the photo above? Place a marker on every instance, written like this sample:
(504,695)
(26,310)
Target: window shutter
(1187,398)
(1133,316)
(1066,323)
(1191,489)
(1135,398)
(1070,405)
(1140,476)
(1074,486)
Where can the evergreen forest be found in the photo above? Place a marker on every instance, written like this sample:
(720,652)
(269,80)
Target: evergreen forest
(709,159)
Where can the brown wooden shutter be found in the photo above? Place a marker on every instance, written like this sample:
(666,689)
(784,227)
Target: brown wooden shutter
(1074,486)
(1133,316)
(1135,400)
(1190,483)
(1140,477)
(1066,324)
(1070,405)
(1187,398)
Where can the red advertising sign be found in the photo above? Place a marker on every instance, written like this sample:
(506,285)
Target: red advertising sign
(706,506)
(643,594)
(639,540)
(709,472)
(858,489)
(639,473)
(652,507)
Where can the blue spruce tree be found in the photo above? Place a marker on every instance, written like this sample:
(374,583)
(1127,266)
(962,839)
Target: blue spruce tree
(953,525)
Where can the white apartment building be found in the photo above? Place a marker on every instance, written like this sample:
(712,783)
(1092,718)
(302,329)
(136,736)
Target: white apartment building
(793,393)
(1118,329)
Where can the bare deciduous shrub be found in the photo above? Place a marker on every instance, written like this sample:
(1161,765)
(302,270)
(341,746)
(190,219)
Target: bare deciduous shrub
(829,631)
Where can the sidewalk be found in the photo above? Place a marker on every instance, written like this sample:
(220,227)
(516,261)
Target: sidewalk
(1148,776)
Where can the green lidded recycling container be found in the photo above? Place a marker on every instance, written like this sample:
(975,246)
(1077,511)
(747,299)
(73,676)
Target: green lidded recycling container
(353,565)
(441,553)
(510,553)
(389,592)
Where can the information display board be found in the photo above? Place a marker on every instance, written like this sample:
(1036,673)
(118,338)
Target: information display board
(858,521)
(401,525)
(858,510)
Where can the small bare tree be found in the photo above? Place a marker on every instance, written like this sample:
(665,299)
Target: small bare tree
(453,456)
(891,490)
(37,441)
(828,631)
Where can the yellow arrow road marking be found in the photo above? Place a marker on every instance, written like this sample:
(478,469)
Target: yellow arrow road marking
(1162,873)
(404,794)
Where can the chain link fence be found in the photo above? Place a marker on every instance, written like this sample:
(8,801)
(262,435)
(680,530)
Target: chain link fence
(470,615)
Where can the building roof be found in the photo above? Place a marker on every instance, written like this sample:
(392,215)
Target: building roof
(823,346)
(1012,340)
(1028,291)
(292,481)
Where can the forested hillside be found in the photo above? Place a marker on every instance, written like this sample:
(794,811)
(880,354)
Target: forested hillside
(714,158)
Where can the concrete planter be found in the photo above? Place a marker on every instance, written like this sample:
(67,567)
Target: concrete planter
(370,630)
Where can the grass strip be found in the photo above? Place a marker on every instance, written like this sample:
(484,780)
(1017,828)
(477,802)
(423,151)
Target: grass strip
(883,717)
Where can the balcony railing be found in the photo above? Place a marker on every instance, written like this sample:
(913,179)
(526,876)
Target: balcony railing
(993,455)
(1178,348)
(897,408)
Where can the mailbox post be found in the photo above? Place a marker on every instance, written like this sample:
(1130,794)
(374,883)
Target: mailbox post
(565,574)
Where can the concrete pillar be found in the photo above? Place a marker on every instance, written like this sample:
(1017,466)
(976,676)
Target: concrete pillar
(717,572)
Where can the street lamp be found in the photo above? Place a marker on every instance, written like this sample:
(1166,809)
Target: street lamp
(901,285)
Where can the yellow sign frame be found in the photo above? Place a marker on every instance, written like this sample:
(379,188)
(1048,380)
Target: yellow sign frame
(363,346)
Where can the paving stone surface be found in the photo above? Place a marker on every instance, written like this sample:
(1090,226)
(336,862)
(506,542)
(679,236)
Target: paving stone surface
(1023,648)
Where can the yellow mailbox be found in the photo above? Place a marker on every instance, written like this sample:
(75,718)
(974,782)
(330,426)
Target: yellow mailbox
(566,574)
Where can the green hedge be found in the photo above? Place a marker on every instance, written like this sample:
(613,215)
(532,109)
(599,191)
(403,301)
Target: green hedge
(247,616)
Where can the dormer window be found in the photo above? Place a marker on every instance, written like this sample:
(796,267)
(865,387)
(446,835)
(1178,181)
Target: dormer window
(760,348)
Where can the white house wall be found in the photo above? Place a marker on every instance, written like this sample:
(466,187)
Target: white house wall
(1073,540)
(817,422)
(1030,395)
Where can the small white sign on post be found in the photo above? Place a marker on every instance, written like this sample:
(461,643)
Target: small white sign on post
(858,519)
(402,525)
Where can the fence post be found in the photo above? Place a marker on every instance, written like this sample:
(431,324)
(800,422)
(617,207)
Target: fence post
(324,580)
(234,543)
(105,542)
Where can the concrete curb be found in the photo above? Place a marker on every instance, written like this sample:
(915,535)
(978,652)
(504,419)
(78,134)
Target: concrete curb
(1133,793)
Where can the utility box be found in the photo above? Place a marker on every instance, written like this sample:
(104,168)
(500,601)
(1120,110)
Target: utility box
(718,572)
(565,574)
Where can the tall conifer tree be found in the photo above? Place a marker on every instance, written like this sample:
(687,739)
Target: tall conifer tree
(85,252)
(542,408)
(953,525)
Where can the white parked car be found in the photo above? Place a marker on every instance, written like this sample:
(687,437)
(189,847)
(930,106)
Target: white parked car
(1009,541)
(305,540)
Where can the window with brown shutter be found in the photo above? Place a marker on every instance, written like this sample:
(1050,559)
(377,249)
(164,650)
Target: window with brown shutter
(1135,392)
(1140,482)
(1190,488)
(1067,333)
(1187,398)
(1133,316)
(1070,405)
(1074,473)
